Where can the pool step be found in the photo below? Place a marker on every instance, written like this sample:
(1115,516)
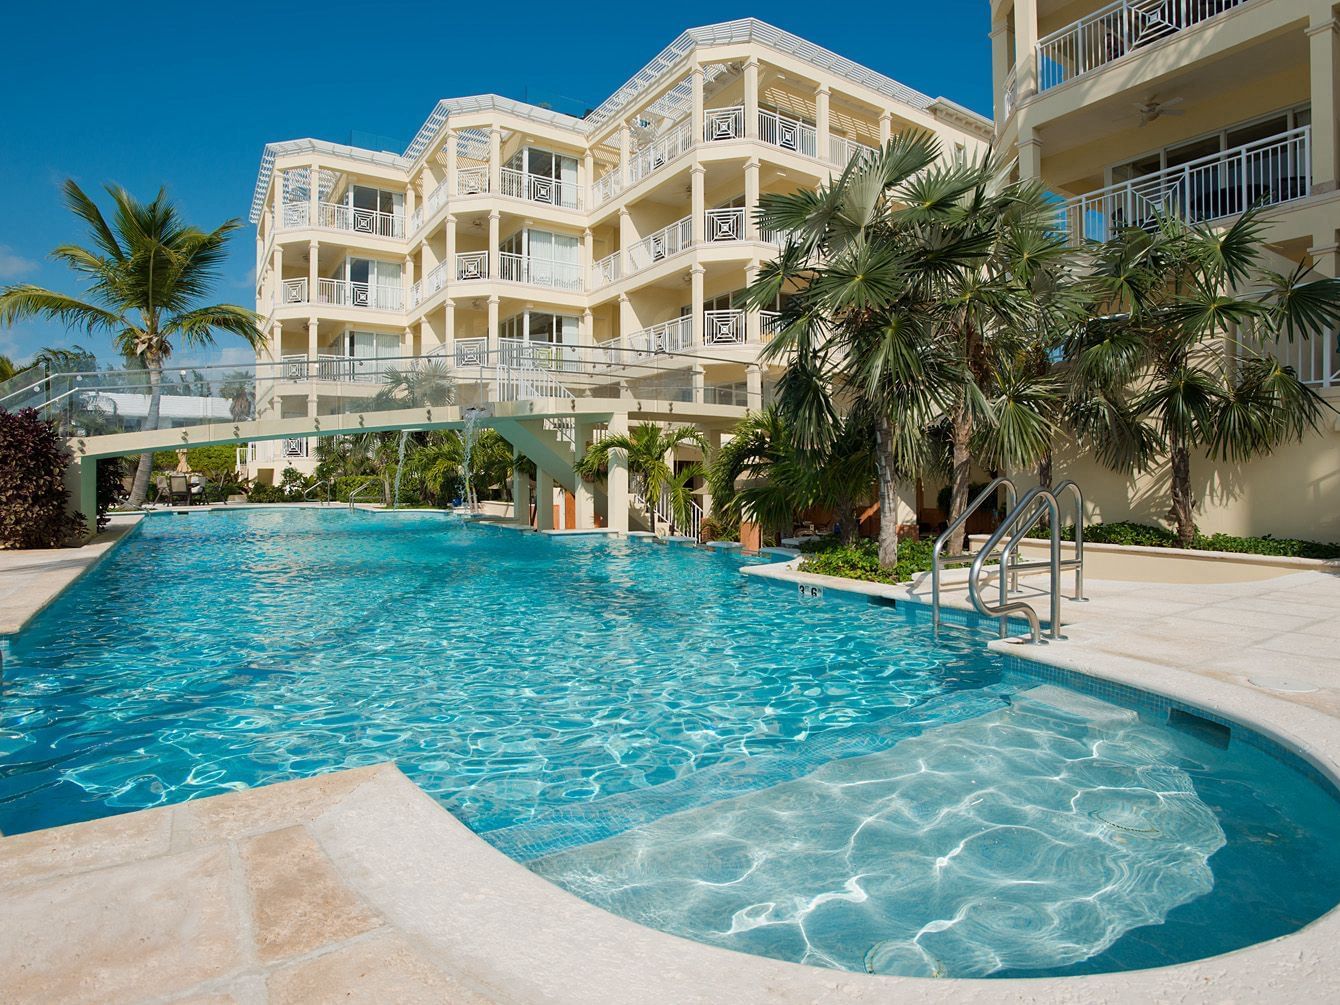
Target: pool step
(1051,702)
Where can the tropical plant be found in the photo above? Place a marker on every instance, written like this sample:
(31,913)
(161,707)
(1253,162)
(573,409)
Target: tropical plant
(147,273)
(239,388)
(428,384)
(646,449)
(1152,368)
(33,497)
(7,367)
(436,466)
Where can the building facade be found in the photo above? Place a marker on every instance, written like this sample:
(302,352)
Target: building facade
(509,234)
(1204,107)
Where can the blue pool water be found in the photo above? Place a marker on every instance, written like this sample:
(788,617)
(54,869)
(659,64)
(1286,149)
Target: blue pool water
(668,738)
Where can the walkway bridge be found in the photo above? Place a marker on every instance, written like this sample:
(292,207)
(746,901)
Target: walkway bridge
(548,404)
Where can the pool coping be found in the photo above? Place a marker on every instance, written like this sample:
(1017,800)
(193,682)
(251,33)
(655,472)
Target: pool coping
(508,931)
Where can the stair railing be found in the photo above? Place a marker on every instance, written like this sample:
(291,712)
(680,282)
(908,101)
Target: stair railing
(938,558)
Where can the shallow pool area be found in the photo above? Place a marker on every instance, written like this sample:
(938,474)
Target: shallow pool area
(812,780)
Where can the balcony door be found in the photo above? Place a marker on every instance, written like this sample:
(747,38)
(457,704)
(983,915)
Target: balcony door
(370,353)
(553,259)
(374,284)
(547,177)
(375,211)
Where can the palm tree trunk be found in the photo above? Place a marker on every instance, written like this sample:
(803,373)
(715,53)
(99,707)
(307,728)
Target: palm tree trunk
(887,470)
(851,525)
(1182,502)
(960,434)
(1045,473)
(139,488)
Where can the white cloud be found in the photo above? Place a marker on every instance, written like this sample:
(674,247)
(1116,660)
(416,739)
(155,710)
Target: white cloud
(13,265)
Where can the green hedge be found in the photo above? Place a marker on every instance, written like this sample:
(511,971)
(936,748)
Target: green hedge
(1147,536)
(829,557)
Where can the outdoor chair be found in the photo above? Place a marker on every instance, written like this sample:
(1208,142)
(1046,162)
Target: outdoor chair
(179,486)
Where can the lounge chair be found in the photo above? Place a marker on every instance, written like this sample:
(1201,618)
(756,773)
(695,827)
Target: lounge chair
(179,486)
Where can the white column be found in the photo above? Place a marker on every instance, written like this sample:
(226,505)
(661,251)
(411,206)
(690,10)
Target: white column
(544,500)
(411,201)
(753,375)
(493,329)
(313,277)
(627,233)
(822,128)
(750,198)
(1325,86)
(627,320)
(1000,68)
(699,383)
(588,256)
(885,127)
(698,203)
(588,199)
(1025,44)
(450,257)
(625,152)
(520,490)
(451,164)
(495,160)
(449,331)
(1030,155)
(408,278)
(494,218)
(584,508)
(616,485)
(313,194)
(313,342)
(696,117)
(276,350)
(751,98)
(586,331)
(696,273)
(277,276)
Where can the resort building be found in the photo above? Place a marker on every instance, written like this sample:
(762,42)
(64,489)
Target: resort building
(507,235)
(1204,107)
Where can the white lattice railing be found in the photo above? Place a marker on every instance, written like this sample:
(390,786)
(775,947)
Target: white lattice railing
(432,202)
(665,242)
(471,352)
(341,293)
(289,448)
(539,272)
(472,180)
(788,133)
(842,151)
(1269,171)
(653,155)
(292,291)
(1009,93)
(725,225)
(433,281)
(337,216)
(472,265)
(608,270)
(723,123)
(538,188)
(725,327)
(294,214)
(1112,31)
(607,186)
(674,335)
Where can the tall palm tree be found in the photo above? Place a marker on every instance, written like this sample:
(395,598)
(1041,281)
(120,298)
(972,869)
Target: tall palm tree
(428,384)
(1152,365)
(147,272)
(647,447)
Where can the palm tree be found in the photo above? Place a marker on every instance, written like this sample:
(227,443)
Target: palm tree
(426,385)
(147,272)
(1153,364)
(437,465)
(239,387)
(7,367)
(647,447)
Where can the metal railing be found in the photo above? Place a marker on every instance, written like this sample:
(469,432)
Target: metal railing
(939,559)
(433,281)
(471,352)
(1269,171)
(540,272)
(607,186)
(668,336)
(1009,93)
(724,327)
(1112,31)
(472,265)
(292,291)
(608,270)
(653,155)
(378,296)
(723,123)
(724,225)
(375,223)
(788,133)
(360,490)
(539,188)
(669,240)
(842,151)
(472,180)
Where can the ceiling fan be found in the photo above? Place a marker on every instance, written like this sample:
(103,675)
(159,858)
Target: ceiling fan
(1152,108)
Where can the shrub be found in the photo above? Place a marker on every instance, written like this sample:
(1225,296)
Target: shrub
(829,557)
(33,498)
(1147,536)
(111,472)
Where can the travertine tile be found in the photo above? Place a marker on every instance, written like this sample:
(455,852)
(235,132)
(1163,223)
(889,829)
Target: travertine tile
(58,851)
(299,903)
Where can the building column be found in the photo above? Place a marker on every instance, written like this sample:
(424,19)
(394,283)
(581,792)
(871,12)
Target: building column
(584,510)
(616,484)
(587,187)
(625,153)
(627,320)
(713,447)
(449,332)
(586,335)
(544,500)
(588,257)
(493,330)
(411,203)
(750,198)
(696,115)
(1325,254)
(408,278)
(313,351)
(753,376)
(627,234)
(276,346)
(313,195)
(885,127)
(494,222)
(450,180)
(1000,68)
(696,298)
(313,276)
(698,204)
(1030,155)
(1324,51)
(753,330)
(1025,44)
(277,276)
(495,160)
(699,376)
(450,255)
(822,127)
(751,98)
(520,490)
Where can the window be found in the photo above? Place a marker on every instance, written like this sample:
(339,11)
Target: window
(542,258)
(1230,138)
(542,176)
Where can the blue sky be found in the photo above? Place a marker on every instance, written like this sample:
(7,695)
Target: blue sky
(185,95)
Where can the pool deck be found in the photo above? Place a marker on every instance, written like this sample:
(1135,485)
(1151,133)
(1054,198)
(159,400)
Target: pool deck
(356,886)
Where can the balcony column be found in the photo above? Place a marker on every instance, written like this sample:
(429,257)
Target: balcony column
(588,185)
(313,351)
(520,490)
(713,446)
(696,273)
(696,116)
(493,328)
(698,203)
(625,152)
(313,195)
(885,127)
(1324,45)
(277,275)
(408,278)
(451,249)
(495,160)
(588,257)
(1025,46)
(822,128)
(494,219)
(1000,68)
(751,98)
(616,483)
(544,500)
(753,383)
(313,277)
(627,320)
(449,332)
(411,203)
(750,199)
(586,330)
(752,321)
(699,376)
(450,146)
(584,509)
(1325,254)
(409,348)
(1030,155)
(276,347)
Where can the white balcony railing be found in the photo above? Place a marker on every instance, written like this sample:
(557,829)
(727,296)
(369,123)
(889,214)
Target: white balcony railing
(537,355)
(608,270)
(332,367)
(294,214)
(655,154)
(1268,171)
(607,187)
(433,281)
(539,188)
(723,123)
(292,291)
(380,296)
(769,324)
(1316,360)
(289,448)
(1009,94)
(432,202)
(668,336)
(665,242)
(724,327)
(472,180)
(472,351)
(725,225)
(1112,31)
(472,265)
(842,151)
(787,133)
(337,216)
(540,272)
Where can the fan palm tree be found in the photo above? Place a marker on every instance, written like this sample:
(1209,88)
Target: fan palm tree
(1172,299)
(647,447)
(239,387)
(147,272)
(426,385)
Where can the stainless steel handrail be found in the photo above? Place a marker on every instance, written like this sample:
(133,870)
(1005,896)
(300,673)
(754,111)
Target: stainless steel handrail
(355,493)
(988,493)
(1030,509)
(327,482)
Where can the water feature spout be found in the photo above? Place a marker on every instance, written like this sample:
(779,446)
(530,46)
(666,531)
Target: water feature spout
(400,467)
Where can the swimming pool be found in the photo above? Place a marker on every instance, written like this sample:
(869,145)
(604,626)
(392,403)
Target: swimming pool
(672,740)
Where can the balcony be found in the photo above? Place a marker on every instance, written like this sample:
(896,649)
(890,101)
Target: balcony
(292,291)
(652,156)
(773,128)
(471,265)
(608,270)
(1112,31)
(471,352)
(725,327)
(540,272)
(332,367)
(724,225)
(667,241)
(842,151)
(433,281)
(472,180)
(1271,171)
(1009,96)
(539,188)
(379,297)
(338,216)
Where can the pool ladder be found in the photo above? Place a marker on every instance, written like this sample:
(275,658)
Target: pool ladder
(1002,548)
